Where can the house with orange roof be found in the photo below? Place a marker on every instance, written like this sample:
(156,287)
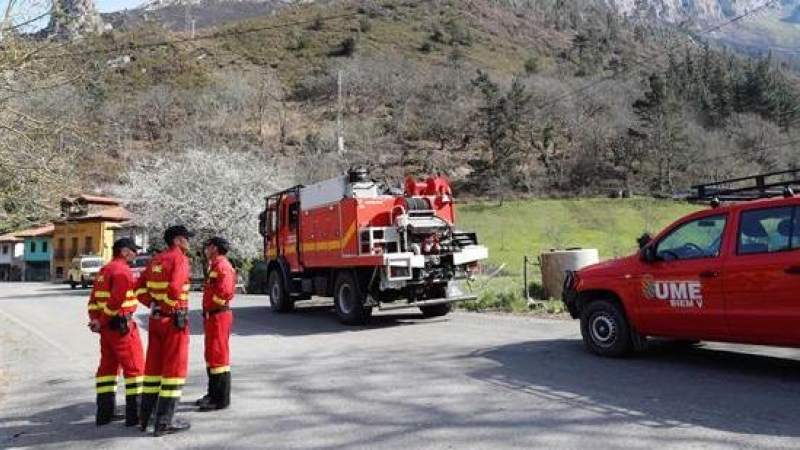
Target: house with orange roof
(86,227)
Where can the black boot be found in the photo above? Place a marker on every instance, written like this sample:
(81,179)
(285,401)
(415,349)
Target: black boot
(149,402)
(206,398)
(224,399)
(132,410)
(165,423)
(106,404)
(216,387)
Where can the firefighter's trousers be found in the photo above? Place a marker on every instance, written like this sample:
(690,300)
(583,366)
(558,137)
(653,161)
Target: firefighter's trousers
(165,369)
(117,351)
(217,327)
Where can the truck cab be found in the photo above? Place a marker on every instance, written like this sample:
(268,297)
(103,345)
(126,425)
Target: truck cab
(728,273)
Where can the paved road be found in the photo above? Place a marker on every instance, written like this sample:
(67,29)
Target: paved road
(467,381)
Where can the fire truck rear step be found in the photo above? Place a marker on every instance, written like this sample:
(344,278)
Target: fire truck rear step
(431,302)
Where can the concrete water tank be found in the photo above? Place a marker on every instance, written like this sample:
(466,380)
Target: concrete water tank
(555,263)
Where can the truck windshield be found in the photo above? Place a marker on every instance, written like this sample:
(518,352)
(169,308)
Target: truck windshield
(92,263)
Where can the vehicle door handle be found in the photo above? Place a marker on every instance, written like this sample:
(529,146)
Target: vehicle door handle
(793,270)
(709,274)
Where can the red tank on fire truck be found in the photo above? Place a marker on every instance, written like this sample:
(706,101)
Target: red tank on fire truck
(367,246)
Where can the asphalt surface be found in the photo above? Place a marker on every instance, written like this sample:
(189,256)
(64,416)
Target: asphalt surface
(466,381)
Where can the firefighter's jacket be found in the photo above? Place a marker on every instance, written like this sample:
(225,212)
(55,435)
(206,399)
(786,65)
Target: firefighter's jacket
(113,292)
(220,284)
(165,282)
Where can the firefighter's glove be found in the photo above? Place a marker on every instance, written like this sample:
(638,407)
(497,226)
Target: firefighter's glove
(94,325)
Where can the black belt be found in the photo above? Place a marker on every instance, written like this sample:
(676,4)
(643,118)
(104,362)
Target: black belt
(213,312)
(157,313)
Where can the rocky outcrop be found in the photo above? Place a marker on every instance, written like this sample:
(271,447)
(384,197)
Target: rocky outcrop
(73,19)
(677,11)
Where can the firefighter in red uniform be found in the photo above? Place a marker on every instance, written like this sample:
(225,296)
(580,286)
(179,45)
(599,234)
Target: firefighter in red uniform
(111,306)
(164,286)
(217,321)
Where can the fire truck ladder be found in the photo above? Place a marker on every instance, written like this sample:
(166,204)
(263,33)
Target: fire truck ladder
(765,185)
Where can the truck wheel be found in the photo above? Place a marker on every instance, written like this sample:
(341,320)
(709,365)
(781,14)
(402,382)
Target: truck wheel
(436,310)
(349,300)
(84,283)
(605,329)
(278,295)
(72,283)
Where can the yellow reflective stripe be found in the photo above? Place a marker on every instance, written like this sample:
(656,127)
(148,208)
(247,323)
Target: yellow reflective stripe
(219,301)
(213,274)
(151,378)
(186,287)
(184,297)
(94,307)
(105,378)
(106,389)
(102,294)
(141,291)
(219,370)
(164,298)
(170,394)
(173,380)
(151,389)
(134,380)
(135,390)
(130,303)
(108,311)
(157,284)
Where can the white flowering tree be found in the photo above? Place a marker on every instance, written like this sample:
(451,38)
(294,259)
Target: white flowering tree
(211,192)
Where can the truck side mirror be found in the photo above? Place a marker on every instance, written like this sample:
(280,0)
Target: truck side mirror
(648,254)
(643,240)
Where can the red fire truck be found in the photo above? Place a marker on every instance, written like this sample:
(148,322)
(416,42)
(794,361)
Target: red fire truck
(367,246)
(729,273)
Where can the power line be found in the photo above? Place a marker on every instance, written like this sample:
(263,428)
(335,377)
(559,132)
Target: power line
(738,18)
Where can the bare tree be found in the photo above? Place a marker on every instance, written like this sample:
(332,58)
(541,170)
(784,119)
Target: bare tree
(213,192)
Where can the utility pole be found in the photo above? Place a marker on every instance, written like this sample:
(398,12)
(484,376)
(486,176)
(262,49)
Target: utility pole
(339,104)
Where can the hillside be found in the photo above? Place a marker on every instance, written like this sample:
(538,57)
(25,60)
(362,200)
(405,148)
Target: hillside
(545,99)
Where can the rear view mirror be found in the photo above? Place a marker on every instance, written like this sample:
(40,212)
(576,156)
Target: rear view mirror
(707,224)
(648,254)
(644,239)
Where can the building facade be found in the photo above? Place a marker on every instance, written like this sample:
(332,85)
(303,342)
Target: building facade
(86,227)
(11,262)
(38,253)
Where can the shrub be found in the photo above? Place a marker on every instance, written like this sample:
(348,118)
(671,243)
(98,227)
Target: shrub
(257,281)
(318,24)
(532,65)
(364,25)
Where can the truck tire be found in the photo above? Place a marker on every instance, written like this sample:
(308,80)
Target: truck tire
(84,283)
(349,299)
(72,283)
(279,298)
(605,329)
(436,310)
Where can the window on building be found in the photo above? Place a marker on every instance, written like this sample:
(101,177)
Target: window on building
(33,246)
(5,249)
(74,250)
(44,246)
(89,247)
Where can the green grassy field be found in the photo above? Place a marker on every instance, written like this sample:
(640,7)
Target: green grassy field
(531,227)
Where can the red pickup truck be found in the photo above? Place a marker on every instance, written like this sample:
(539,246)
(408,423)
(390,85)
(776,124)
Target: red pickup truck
(729,273)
